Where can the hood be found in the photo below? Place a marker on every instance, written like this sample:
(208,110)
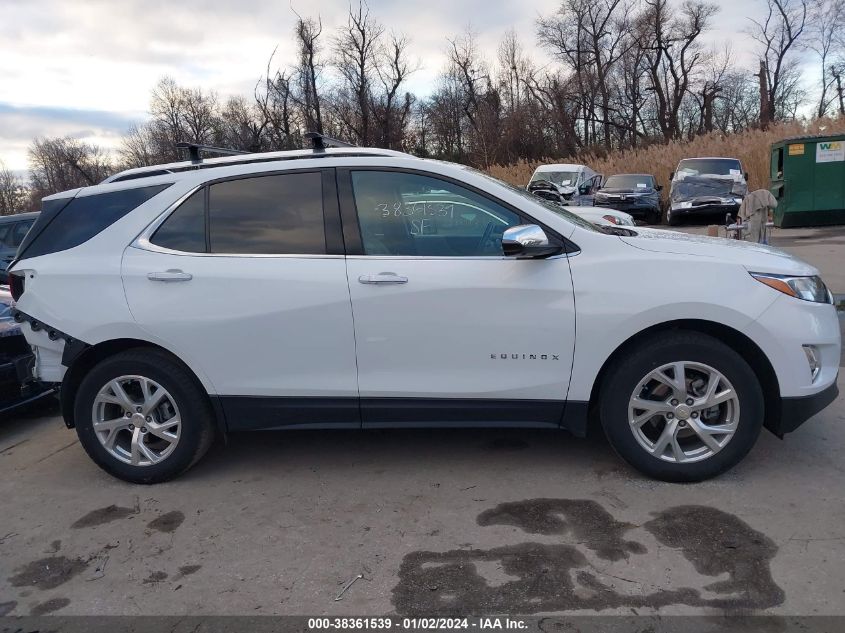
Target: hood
(693,187)
(628,192)
(753,257)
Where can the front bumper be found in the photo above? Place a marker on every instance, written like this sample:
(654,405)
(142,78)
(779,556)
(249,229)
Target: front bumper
(703,209)
(795,411)
(637,209)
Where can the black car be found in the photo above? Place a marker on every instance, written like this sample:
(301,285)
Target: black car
(17,385)
(706,186)
(637,194)
(13,228)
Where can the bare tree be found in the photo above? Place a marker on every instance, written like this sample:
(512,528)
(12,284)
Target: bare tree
(392,108)
(58,164)
(671,40)
(274,97)
(356,49)
(825,38)
(13,193)
(308,72)
(590,37)
(778,35)
(837,71)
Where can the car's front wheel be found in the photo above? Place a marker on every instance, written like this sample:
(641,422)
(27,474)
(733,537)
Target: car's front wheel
(674,219)
(142,417)
(653,216)
(682,407)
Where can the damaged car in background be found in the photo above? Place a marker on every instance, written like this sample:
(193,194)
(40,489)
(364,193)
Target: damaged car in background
(714,186)
(595,214)
(573,184)
(636,194)
(18,387)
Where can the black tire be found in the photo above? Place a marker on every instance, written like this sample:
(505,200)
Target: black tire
(653,216)
(619,384)
(674,219)
(197,425)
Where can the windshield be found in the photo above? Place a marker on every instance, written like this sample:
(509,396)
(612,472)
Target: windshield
(708,167)
(629,181)
(560,178)
(551,206)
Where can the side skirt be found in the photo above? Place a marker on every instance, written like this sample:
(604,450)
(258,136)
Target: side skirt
(248,413)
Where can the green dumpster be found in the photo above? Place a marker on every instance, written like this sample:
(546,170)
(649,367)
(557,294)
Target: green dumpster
(808,180)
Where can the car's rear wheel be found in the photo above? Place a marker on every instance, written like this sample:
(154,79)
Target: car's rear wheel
(142,417)
(683,407)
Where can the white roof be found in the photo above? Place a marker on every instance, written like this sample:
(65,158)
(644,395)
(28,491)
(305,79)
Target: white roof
(561,167)
(225,161)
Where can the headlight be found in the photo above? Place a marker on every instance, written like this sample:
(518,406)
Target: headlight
(682,205)
(737,200)
(806,288)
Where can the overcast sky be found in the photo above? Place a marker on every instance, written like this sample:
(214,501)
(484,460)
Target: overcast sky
(86,67)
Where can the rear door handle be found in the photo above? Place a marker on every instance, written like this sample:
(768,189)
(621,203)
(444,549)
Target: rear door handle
(383,278)
(174,274)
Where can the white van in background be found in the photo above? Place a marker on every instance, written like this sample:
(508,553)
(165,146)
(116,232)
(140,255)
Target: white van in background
(575,183)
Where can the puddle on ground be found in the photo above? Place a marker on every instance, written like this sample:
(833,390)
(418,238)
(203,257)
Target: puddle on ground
(102,516)
(48,573)
(167,522)
(541,577)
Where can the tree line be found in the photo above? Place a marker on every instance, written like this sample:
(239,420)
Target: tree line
(625,74)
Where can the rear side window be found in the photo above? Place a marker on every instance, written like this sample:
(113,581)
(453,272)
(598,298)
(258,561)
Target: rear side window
(81,219)
(269,215)
(265,215)
(184,229)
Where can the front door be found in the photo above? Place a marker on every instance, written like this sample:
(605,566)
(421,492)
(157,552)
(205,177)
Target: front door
(447,329)
(241,282)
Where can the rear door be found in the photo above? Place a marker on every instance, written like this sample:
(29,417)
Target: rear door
(246,279)
(448,330)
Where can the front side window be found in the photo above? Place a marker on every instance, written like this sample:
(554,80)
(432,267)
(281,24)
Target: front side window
(405,214)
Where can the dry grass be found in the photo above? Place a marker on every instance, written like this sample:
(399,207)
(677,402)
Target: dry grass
(751,147)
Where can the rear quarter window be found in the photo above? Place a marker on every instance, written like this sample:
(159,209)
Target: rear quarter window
(83,218)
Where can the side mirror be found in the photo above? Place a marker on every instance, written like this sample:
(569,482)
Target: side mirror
(527,241)
(659,188)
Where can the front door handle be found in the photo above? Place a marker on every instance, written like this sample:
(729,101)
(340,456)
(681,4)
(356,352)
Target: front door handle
(383,278)
(174,274)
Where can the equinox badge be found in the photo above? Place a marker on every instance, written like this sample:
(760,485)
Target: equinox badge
(525,356)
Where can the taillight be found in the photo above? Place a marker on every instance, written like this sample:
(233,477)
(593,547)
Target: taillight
(611,219)
(16,283)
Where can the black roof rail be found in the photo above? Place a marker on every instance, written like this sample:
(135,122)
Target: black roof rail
(319,142)
(194,150)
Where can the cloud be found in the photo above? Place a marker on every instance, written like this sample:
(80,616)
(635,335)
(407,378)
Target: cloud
(20,124)
(88,66)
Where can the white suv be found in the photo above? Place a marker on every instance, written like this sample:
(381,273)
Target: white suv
(364,288)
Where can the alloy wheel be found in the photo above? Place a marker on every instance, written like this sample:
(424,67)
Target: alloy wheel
(136,420)
(683,412)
